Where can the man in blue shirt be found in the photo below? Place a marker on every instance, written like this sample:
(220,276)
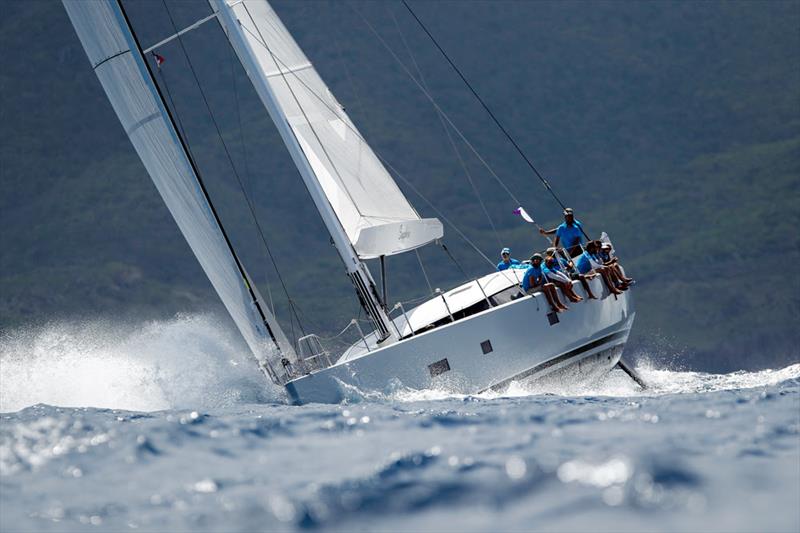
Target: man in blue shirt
(589,261)
(534,280)
(568,267)
(507,262)
(569,234)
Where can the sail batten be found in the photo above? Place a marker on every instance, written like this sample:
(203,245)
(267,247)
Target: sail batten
(362,193)
(106,37)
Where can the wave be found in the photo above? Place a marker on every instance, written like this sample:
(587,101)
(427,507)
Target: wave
(194,361)
(617,384)
(187,361)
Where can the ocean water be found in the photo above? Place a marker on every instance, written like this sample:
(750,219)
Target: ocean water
(168,426)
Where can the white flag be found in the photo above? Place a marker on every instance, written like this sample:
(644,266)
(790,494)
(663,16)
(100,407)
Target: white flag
(524,214)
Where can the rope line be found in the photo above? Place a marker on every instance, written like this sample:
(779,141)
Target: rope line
(341,181)
(248,173)
(446,129)
(447,251)
(486,107)
(437,106)
(377,154)
(424,273)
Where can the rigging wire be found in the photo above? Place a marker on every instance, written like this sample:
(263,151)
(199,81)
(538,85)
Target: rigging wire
(486,107)
(303,111)
(248,174)
(436,105)
(446,129)
(424,273)
(447,251)
(346,70)
(235,172)
(260,41)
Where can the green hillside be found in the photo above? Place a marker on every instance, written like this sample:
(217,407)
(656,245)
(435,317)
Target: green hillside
(675,127)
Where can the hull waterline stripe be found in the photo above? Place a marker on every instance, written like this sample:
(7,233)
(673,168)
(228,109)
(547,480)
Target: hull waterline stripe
(554,361)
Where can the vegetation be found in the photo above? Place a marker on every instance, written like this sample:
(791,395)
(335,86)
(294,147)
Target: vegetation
(675,127)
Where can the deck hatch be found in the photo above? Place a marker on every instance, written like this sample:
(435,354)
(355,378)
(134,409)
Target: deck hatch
(438,368)
(486,346)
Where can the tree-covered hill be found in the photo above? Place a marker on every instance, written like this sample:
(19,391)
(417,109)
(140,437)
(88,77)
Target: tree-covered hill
(674,126)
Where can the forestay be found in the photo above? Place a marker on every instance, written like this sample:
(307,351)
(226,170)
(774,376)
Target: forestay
(376,216)
(115,58)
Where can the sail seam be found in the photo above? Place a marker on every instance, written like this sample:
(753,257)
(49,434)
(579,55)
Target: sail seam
(109,58)
(142,122)
(290,70)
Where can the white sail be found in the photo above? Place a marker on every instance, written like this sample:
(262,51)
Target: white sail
(376,216)
(115,58)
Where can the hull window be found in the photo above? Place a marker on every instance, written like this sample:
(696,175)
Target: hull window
(439,367)
(486,346)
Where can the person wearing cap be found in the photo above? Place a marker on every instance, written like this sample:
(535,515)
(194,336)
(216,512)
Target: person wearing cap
(534,280)
(608,259)
(589,262)
(568,267)
(506,260)
(569,234)
(553,272)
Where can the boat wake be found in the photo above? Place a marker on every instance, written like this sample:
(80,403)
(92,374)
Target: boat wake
(192,361)
(618,384)
(188,361)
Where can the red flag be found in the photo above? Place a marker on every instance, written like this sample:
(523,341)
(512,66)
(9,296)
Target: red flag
(159,59)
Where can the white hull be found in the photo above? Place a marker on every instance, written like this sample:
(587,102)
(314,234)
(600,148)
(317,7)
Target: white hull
(525,345)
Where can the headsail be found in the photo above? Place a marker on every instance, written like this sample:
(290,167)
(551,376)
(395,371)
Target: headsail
(373,211)
(116,59)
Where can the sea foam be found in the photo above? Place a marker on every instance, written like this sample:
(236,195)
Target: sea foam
(195,361)
(189,360)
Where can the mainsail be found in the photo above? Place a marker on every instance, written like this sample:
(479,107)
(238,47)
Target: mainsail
(116,59)
(376,216)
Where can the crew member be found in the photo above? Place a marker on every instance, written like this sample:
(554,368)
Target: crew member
(569,234)
(506,260)
(553,272)
(609,260)
(534,280)
(588,261)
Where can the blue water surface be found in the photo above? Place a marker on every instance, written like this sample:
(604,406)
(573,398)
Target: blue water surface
(197,442)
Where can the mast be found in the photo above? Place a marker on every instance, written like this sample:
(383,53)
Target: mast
(118,62)
(196,171)
(356,269)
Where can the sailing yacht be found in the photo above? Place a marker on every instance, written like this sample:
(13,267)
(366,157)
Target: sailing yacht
(484,334)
